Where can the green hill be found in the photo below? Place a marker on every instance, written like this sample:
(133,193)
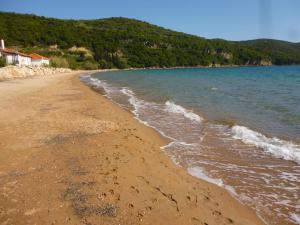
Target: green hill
(122,42)
(281,52)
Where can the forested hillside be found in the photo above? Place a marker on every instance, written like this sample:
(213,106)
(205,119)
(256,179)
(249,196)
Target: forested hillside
(281,52)
(122,42)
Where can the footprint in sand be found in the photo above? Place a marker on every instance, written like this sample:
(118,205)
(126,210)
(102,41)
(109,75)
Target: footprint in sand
(216,213)
(103,196)
(229,220)
(134,188)
(140,216)
(149,208)
(196,221)
(154,200)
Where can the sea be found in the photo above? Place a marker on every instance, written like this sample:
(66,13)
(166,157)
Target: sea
(238,128)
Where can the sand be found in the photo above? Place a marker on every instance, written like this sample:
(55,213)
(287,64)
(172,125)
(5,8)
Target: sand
(70,156)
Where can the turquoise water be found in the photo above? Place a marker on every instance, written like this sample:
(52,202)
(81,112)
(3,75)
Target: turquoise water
(266,99)
(236,127)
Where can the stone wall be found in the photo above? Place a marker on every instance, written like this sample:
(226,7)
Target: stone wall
(14,72)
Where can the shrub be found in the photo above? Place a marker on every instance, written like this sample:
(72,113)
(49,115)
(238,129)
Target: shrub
(2,62)
(88,65)
(59,62)
(103,64)
(73,64)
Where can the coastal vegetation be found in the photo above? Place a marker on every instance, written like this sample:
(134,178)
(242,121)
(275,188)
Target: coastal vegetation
(2,62)
(281,52)
(123,43)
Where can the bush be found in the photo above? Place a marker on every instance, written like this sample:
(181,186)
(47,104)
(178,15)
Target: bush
(59,62)
(2,62)
(73,64)
(103,64)
(88,65)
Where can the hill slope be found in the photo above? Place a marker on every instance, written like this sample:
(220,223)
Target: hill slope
(281,52)
(122,42)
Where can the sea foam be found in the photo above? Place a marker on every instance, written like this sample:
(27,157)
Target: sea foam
(278,148)
(198,172)
(133,100)
(174,108)
(295,217)
(138,105)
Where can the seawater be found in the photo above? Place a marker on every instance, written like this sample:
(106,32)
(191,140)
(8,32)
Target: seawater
(238,128)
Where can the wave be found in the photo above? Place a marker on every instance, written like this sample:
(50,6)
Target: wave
(198,172)
(138,105)
(278,148)
(88,79)
(174,108)
(179,143)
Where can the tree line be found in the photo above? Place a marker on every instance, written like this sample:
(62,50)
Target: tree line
(123,43)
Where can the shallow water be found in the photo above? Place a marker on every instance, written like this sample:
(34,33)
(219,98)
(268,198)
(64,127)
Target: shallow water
(236,127)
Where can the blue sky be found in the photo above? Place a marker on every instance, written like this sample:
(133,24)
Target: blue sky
(227,19)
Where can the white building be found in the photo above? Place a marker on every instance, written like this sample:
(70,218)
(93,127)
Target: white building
(39,60)
(14,57)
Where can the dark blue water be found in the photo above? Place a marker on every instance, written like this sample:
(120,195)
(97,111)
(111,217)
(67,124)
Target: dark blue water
(236,127)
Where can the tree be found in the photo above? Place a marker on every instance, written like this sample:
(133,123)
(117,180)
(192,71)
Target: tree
(2,62)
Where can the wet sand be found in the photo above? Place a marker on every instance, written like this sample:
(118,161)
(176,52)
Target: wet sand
(70,156)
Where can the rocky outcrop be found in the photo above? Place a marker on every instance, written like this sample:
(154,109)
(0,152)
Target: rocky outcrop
(14,72)
(265,62)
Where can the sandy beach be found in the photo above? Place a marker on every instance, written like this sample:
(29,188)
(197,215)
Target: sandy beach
(70,156)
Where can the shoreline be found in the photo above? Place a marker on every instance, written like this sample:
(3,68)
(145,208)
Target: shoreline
(94,163)
(125,95)
(23,72)
(168,140)
(193,67)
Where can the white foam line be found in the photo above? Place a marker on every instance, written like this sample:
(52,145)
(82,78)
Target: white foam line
(295,218)
(174,108)
(278,148)
(179,143)
(136,103)
(198,172)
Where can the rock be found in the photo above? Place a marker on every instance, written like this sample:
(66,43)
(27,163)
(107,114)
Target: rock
(13,72)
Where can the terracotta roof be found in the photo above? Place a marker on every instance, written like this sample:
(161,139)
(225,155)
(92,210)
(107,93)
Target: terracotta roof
(7,50)
(37,56)
(11,51)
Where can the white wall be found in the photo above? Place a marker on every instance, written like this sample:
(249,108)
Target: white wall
(24,60)
(11,59)
(17,59)
(39,62)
